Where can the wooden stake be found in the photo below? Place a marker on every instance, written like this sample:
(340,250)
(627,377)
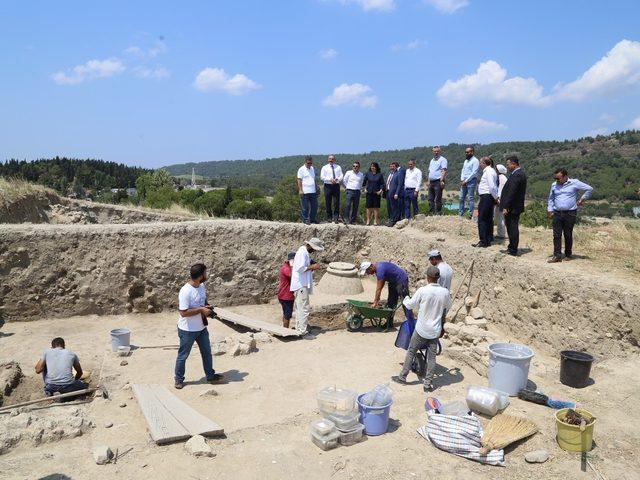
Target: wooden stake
(55,397)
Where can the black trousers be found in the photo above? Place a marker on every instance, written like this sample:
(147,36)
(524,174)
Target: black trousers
(563,223)
(435,196)
(332,200)
(511,221)
(485,219)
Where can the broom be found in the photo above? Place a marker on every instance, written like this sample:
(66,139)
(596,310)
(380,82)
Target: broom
(503,430)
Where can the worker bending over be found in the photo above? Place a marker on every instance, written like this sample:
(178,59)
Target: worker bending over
(396,279)
(57,365)
(432,302)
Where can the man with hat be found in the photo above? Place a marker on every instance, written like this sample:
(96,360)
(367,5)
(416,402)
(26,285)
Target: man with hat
(446,272)
(397,281)
(302,281)
(285,295)
(432,302)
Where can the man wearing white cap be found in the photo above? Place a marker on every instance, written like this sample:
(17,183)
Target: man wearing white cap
(302,281)
(497,214)
(397,281)
(446,272)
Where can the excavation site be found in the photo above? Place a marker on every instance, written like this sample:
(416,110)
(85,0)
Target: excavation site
(110,290)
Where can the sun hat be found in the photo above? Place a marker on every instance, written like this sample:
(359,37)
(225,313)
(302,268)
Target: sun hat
(316,244)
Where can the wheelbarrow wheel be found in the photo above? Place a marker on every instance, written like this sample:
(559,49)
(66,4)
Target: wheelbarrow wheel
(419,365)
(354,323)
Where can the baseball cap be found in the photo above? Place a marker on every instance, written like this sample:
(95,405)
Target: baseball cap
(434,253)
(291,255)
(363,268)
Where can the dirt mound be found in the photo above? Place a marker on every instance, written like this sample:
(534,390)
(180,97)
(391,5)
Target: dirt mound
(65,270)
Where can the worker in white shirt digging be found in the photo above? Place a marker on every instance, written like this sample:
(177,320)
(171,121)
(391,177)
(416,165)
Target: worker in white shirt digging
(302,281)
(432,302)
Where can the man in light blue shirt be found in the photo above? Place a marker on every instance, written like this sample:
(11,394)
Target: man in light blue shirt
(563,207)
(437,175)
(468,180)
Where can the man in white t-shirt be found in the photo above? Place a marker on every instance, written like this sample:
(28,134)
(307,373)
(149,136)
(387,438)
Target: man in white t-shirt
(306,179)
(432,302)
(446,272)
(192,325)
(302,281)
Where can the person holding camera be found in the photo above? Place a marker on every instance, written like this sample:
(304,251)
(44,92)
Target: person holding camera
(192,325)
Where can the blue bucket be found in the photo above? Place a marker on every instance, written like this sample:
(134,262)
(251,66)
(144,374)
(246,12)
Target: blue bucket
(404,334)
(374,419)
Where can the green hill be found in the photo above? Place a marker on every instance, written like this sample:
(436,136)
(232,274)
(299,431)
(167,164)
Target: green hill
(610,163)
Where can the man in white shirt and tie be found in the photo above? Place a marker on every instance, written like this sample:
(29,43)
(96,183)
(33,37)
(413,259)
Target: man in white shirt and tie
(437,175)
(306,180)
(412,184)
(488,192)
(331,176)
(353,180)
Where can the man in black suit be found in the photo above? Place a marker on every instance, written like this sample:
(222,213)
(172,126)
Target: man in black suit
(394,185)
(512,202)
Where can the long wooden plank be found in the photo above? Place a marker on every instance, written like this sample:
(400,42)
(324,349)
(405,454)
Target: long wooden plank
(254,324)
(163,426)
(190,419)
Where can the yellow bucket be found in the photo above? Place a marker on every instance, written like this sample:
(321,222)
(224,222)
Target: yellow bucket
(569,437)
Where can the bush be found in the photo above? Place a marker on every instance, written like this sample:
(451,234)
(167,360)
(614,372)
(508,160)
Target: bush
(162,198)
(260,209)
(187,197)
(285,205)
(212,203)
(238,209)
(535,215)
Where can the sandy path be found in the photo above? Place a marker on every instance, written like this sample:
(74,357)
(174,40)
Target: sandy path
(270,400)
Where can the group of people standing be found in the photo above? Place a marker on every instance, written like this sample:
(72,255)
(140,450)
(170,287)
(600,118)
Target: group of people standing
(400,188)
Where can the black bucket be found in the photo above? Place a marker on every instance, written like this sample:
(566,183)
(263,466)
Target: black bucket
(575,368)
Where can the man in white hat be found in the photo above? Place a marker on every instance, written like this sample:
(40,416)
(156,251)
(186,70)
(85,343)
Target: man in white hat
(446,272)
(396,279)
(302,281)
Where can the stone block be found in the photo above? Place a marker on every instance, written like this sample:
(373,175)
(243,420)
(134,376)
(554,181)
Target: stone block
(476,312)
(102,454)
(198,447)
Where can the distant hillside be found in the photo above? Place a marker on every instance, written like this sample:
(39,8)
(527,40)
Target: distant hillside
(610,163)
(70,174)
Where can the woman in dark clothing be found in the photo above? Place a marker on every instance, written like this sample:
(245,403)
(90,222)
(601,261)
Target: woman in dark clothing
(374,185)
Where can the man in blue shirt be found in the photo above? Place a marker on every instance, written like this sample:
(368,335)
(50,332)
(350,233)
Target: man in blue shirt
(397,281)
(563,207)
(437,175)
(468,180)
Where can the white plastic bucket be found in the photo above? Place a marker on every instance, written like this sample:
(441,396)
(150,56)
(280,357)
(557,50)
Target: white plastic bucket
(509,367)
(120,337)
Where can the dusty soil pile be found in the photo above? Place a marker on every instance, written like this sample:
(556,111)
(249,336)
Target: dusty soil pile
(73,270)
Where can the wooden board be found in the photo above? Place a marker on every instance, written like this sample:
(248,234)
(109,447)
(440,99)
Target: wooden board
(257,325)
(163,427)
(194,422)
(169,419)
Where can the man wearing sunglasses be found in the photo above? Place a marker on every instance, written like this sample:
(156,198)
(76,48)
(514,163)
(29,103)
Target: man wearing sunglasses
(562,207)
(352,181)
(468,180)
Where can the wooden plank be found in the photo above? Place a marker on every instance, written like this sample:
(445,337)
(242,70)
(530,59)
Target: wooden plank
(53,397)
(254,324)
(163,426)
(194,422)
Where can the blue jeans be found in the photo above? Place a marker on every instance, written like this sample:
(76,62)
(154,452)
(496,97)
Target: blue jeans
(467,190)
(51,388)
(186,342)
(410,199)
(309,206)
(353,203)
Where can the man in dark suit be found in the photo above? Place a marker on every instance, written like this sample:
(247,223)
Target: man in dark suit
(512,202)
(401,174)
(392,191)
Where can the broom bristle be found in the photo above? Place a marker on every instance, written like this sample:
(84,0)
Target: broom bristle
(503,430)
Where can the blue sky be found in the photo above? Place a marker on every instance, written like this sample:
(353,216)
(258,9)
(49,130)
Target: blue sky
(153,82)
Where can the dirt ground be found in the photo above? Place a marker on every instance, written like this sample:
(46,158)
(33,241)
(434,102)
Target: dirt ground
(269,402)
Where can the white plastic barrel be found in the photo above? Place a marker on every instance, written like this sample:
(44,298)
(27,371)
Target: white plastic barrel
(120,337)
(509,367)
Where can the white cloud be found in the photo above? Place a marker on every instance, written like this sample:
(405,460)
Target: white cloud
(447,6)
(490,84)
(635,124)
(607,118)
(480,125)
(211,79)
(156,73)
(598,131)
(351,94)
(328,54)
(367,5)
(158,48)
(413,45)
(617,71)
(88,71)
